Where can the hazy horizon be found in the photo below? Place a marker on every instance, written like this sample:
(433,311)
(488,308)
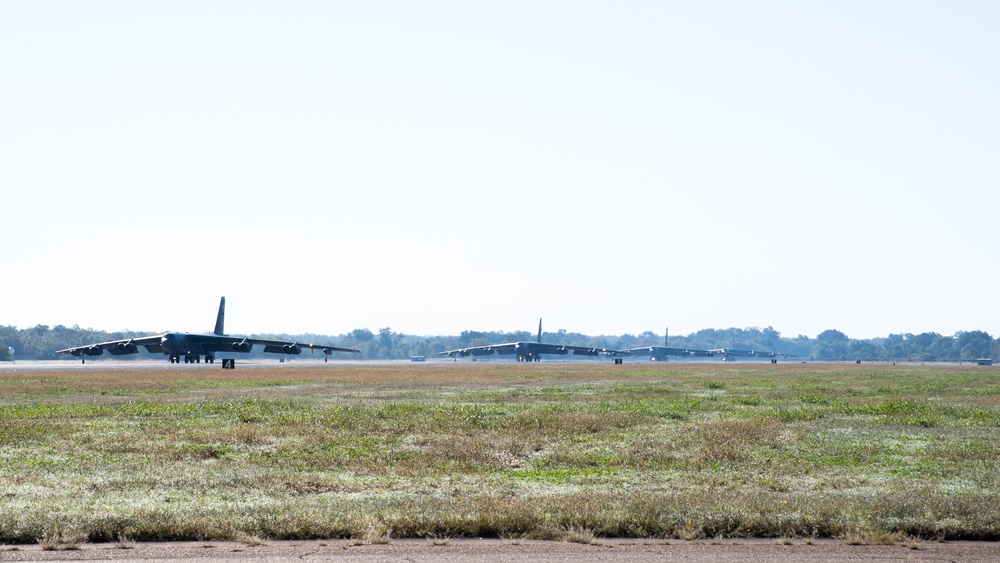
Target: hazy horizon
(612,168)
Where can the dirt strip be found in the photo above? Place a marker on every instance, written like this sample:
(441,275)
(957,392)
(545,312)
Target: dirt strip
(503,551)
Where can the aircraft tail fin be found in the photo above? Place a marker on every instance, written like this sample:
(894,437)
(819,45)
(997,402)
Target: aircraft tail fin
(220,321)
(539,331)
(666,335)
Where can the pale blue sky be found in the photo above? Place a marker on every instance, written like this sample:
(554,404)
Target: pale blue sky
(613,167)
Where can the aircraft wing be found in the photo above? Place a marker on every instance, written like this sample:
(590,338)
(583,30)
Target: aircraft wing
(630,351)
(525,347)
(116,347)
(507,348)
(760,353)
(202,343)
(481,350)
(666,351)
(584,351)
(285,347)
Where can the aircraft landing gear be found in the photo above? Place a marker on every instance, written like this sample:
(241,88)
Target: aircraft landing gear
(191,359)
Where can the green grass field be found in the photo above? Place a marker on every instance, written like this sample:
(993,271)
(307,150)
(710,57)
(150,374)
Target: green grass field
(866,453)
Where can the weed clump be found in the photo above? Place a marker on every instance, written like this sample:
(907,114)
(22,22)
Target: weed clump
(59,539)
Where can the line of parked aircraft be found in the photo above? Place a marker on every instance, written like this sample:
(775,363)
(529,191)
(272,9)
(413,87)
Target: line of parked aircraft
(531,351)
(193,347)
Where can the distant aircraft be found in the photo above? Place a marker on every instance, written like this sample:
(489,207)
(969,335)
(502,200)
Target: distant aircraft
(726,353)
(193,346)
(526,351)
(660,353)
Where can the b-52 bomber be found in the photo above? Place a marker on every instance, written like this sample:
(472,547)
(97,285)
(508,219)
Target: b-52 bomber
(660,353)
(526,351)
(727,353)
(192,347)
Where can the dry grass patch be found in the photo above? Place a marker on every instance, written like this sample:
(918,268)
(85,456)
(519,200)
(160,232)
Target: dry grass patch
(250,539)
(866,535)
(577,534)
(732,441)
(440,540)
(378,535)
(59,539)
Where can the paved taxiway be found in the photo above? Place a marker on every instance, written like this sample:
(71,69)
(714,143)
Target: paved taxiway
(250,363)
(512,551)
(241,363)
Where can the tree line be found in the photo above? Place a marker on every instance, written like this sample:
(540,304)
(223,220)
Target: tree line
(41,342)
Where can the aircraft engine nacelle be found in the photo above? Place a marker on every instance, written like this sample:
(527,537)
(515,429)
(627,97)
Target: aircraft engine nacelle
(124,348)
(242,346)
(93,350)
(293,349)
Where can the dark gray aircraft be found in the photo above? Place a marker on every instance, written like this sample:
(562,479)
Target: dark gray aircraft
(526,351)
(727,353)
(193,346)
(660,353)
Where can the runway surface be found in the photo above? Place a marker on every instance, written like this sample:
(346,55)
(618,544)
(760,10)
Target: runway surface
(106,364)
(250,363)
(112,364)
